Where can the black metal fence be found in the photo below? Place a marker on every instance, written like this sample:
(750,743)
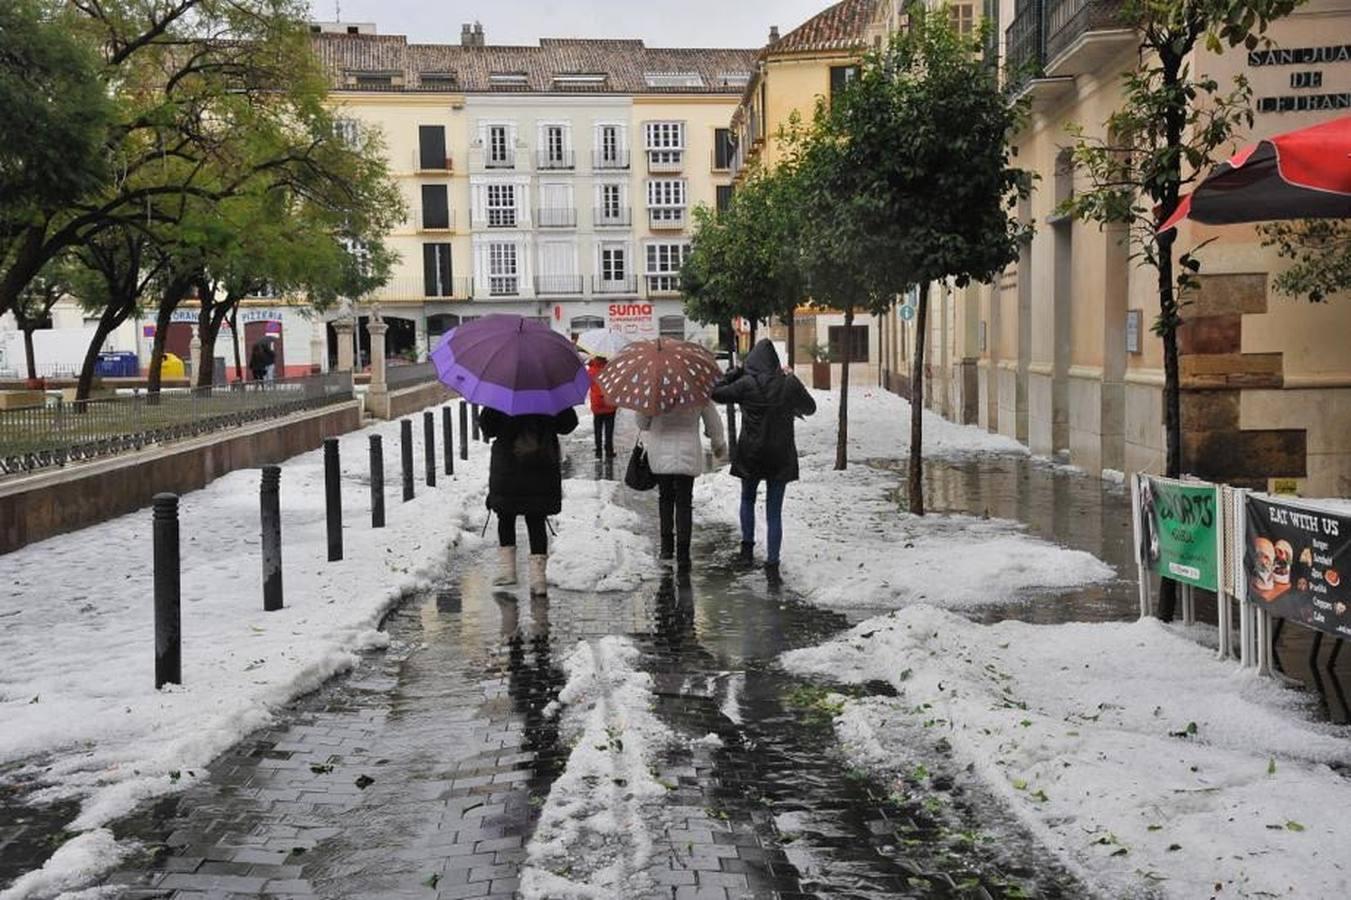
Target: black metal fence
(60,432)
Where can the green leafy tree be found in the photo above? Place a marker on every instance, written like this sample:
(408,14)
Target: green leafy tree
(910,184)
(1320,255)
(1173,125)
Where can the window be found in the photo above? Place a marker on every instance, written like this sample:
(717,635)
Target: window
(348,131)
(663,266)
(858,343)
(840,76)
(665,143)
(501,206)
(374,82)
(431,147)
(579,79)
(962,16)
(613,263)
(724,197)
(555,146)
(723,149)
(508,80)
(673,79)
(734,79)
(609,154)
(503,280)
(671,327)
(501,154)
(439,81)
(435,206)
(666,200)
(582,324)
(436,270)
(611,211)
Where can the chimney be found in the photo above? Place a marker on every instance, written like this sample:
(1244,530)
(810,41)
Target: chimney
(466,35)
(479,38)
(773,34)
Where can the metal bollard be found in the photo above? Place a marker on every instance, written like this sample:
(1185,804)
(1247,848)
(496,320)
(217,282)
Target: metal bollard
(269,501)
(464,430)
(168,593)
(406,457)
(333,498)
(429,446)
(477,436)
(447,440)
(377,481)
(731,428)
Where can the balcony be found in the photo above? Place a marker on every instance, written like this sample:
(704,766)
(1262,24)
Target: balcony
(612,217)
(610,160)
(1082,35)
(555,160)
(435,222)
(553,285)
(415,289)
(665,162)
(666,218)
(612,286)
(430,165)
(561,217)
(482,159)
(1025,44)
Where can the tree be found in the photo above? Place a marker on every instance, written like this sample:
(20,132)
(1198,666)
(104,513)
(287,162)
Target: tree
(34,307)
(1320,254)
(1169,131)
(910,184)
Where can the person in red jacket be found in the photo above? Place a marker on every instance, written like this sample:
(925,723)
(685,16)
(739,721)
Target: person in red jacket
(603,411)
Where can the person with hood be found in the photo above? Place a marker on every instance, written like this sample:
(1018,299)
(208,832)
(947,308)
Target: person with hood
(602,410)
(766,449)
(525,478)
(261,358)
(675,454)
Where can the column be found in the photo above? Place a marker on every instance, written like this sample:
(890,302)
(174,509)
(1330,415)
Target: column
(318,347)
(377,394)
(194,357)
(420,337)
(344,329)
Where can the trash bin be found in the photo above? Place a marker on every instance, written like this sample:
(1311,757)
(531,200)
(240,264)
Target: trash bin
(172,367)
(117,364)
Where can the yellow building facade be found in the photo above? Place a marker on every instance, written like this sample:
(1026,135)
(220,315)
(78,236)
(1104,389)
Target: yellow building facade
(1060,354)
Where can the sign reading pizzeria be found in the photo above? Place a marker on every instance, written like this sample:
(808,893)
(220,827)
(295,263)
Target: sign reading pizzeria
(1296,560)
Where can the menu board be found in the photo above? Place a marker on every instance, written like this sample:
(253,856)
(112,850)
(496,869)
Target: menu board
(1297,560)
(1178,530)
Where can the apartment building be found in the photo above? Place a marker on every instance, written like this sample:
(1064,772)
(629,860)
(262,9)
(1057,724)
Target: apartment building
(1059,353)
(554,181)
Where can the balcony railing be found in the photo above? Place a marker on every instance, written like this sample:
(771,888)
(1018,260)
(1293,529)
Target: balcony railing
(414,289)
(613,217)
(603,285)
(425,223)
(666,218)
(485,158)
(438,164)
(1068,20)
(1025,43)
(560,217)
(555,159)
(559,284)
(603,160)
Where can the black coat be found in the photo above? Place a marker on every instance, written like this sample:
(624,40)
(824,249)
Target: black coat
(525,476)
(766,447)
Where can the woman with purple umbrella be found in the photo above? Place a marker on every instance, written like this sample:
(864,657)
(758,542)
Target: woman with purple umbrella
(527,377)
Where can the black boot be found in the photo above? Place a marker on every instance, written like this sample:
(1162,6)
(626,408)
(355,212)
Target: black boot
(747,552)
(667,552)
(683,555)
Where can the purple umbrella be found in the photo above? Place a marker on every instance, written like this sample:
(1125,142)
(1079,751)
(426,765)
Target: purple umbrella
(513,365)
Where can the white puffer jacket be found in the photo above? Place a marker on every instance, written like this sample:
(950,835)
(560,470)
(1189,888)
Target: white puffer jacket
(672,440)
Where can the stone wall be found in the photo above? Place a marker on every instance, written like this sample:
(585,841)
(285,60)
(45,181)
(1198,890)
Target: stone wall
(49,503)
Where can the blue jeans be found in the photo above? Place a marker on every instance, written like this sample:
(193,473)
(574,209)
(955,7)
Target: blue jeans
(773,514)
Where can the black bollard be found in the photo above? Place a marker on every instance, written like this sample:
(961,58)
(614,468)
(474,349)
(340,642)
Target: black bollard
(168,593)
(429,446)
(477,436)
(464,430)
(333,498)
(731,428)
(377,481)
(406,457)
(269,501)
(447,440)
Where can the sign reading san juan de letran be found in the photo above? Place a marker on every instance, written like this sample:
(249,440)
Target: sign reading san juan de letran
(1296,560)
(1178,531)
(1303,80)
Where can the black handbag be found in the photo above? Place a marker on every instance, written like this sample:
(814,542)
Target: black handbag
(639,474)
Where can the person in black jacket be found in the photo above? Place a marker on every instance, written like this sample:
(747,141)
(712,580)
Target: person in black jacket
(766,449)
(525,478)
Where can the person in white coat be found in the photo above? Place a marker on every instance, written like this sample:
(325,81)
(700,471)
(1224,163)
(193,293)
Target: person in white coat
(676,454)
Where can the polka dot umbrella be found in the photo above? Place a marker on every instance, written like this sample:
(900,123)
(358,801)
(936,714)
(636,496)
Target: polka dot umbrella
(658,376)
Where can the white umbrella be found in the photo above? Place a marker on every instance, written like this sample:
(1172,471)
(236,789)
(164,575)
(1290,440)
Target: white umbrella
(602,342)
